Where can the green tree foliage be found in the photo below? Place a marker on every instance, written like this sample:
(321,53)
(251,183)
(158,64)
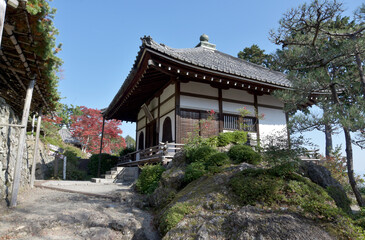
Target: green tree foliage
(130,142)
(243,153)
(255,54)
(320,58)
(107,162)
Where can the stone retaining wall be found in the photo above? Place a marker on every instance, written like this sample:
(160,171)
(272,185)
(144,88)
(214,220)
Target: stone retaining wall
(9,137)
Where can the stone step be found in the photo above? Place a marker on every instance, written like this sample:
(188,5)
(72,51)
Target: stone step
(102,180)
(118,169)
(112,172)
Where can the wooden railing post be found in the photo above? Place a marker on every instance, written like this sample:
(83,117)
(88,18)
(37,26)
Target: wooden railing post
(23,132)
(35,153)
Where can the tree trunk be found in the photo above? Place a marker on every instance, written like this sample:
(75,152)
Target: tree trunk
(350,167)
(361,71)
(328,135)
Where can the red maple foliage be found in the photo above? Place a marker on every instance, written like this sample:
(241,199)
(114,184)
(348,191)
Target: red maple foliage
(87,129)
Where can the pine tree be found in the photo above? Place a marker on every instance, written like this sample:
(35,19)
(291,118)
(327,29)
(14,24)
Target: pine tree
(322,66)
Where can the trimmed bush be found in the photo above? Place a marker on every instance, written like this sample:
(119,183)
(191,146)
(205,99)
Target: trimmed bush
(194,171)
(200,154)
(149,178)
(217,159)
(243,153)
(239,137)
(225,138)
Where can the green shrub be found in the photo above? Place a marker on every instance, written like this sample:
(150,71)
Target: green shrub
(107,162)
(284,169)
(267,187)
(173,216)
(225,138)
(340,198)
(243,153)
(212,141)
(239,137)
(149,178)
(200,153)
(252,188)
(217,159)
(194,171)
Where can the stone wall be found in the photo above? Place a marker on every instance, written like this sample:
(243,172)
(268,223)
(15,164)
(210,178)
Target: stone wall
(9,137)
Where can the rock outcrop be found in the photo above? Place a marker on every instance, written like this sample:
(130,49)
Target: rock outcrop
(209,207)
(321,176)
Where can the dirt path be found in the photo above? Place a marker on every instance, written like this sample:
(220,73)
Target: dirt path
(52,214)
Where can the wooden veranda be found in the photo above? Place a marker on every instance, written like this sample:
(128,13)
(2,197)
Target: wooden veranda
(161,153)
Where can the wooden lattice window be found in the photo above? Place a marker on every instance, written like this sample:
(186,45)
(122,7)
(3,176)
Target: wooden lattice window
(236,122)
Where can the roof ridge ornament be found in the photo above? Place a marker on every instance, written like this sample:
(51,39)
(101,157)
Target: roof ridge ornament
(146,39)
(204,42)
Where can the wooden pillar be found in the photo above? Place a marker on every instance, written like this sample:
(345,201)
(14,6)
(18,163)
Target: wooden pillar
(220,115)
(255,103)
(177,112)
(33,121)
(101,147)
(287,129)
(158,119)
(35,152)
(23,132)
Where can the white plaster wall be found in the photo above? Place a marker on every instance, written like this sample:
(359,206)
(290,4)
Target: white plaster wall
(199,88)
(273,123)
(153,104)
(144,137)
(269,100)
(140,113)
(141,123)
(232,108)
(172,117)
(198,103)
(239,95)
(167,106)
(167,92)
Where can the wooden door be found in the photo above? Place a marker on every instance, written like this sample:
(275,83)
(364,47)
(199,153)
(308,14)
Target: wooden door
(151,134)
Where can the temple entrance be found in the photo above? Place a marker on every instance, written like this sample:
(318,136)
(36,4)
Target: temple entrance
(151,134)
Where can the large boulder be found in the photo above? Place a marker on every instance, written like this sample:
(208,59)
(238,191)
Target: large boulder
(171,181)
(322,176)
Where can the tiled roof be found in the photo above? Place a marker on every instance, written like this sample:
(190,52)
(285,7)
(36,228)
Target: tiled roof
(218,61)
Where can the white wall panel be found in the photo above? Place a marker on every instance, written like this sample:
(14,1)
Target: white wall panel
(232,108)
(141,123)
(269,100)
(153,104)
(273,123)
(167,106)
(199,88)
(198,103)
(167,92)
(140,114)
(236,94)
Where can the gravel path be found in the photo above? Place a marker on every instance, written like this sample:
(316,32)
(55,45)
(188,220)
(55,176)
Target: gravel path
(107,212)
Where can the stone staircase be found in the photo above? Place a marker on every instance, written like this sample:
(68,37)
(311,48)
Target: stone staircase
(119,175)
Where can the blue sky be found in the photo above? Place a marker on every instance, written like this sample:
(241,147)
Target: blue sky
(101,40)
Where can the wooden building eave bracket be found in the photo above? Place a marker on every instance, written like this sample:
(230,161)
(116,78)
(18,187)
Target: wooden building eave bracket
(147,112)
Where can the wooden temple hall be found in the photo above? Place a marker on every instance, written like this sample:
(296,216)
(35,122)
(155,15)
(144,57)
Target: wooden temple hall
(169,91)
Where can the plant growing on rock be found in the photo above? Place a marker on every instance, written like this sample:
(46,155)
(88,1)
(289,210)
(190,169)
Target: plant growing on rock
(243,153)
(149,178)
